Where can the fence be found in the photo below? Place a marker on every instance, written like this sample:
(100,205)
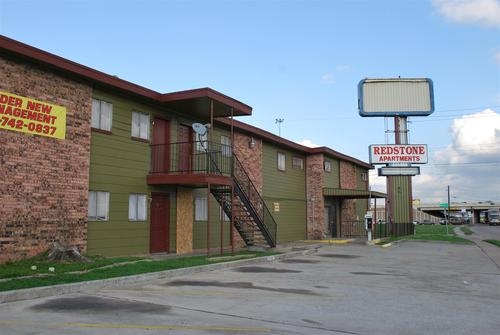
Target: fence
(357,229)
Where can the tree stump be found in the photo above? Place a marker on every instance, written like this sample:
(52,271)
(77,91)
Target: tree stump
(61,252)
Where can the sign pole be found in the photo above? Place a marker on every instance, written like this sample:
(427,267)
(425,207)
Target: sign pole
(399,188)
(399,98)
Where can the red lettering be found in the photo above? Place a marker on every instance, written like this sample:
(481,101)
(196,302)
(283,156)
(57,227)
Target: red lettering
(46,109)
(7,111)
(376,150)
(34,106)
(11,101)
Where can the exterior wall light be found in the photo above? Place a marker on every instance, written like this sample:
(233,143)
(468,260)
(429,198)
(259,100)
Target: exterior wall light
(251,143)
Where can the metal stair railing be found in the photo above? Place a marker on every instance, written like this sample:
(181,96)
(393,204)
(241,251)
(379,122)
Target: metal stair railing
(254,202)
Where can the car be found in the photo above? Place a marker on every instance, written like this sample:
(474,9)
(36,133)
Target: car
(427,222)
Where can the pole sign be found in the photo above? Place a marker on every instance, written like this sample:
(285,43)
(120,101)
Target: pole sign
(31,116)
(398,153)
(395,97)
(399,171)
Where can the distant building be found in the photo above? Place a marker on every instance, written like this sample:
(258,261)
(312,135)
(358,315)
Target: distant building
(94,161)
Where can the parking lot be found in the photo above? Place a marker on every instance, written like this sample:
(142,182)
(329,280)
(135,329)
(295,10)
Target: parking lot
(408,288)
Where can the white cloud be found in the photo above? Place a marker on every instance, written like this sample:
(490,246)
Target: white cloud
(497,57)
(483,12)
(309,143)
(469,164)
(328,78)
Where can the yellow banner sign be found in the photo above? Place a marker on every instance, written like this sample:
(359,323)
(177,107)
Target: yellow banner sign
(32,116)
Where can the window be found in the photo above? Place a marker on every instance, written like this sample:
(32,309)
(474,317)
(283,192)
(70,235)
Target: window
(202,142)
(281,161)
(364,176)
(140,125)
(225,142)
(98,206)
(137,207)
(200,209)
(102,114)
(328,166)
(297,163)
(223,215)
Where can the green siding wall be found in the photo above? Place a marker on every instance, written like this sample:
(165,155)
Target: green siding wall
(119,165)
(288,190)
(332,179)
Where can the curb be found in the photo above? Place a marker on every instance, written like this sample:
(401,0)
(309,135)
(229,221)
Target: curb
(46,291)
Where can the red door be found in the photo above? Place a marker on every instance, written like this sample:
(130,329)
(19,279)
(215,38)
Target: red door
(185,148)
(160,160)
(160,221)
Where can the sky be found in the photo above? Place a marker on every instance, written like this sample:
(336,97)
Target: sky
(301,61)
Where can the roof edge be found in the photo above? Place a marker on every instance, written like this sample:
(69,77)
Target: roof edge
(40,56)
(19,49)
(245,127)
(210,93)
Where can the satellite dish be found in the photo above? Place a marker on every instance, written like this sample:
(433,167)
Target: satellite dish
(199,128)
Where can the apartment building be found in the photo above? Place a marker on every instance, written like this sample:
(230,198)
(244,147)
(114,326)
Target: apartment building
(114,168)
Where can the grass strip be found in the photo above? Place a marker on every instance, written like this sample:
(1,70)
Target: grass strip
(63,275)
(494,242)
(432,233)
(466,230)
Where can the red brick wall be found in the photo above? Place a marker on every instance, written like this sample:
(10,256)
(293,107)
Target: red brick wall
(251,159)
(348,180)
(44,181)
(315,200)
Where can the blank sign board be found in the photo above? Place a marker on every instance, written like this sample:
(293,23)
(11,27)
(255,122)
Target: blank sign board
(395,97)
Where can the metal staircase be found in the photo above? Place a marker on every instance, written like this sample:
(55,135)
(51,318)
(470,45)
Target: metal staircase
(252,219)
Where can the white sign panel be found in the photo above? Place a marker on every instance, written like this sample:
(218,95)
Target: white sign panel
(399,171)
(396,97)
(398,153)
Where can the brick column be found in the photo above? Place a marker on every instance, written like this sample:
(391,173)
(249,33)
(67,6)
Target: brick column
(315,181)
(348,180)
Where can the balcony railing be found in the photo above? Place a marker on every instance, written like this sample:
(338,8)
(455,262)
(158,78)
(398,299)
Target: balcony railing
(199,157)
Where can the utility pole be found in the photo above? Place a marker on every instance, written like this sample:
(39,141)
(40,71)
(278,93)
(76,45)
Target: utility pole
(448,215)
(279,122)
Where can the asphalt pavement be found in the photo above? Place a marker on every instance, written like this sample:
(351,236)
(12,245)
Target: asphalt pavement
(407,288)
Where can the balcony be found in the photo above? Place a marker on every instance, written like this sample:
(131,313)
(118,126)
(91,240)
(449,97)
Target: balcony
(193,164)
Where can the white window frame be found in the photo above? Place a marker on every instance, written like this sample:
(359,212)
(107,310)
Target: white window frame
(328,166)
(102,115)
(297,162)
(226,149)
(200,209)
(364,176)
(281,158)
(137,207)
(98,209)
(140,125)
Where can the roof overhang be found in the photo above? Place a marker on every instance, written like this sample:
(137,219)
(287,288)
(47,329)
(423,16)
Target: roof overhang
(352,194)
(205,102)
